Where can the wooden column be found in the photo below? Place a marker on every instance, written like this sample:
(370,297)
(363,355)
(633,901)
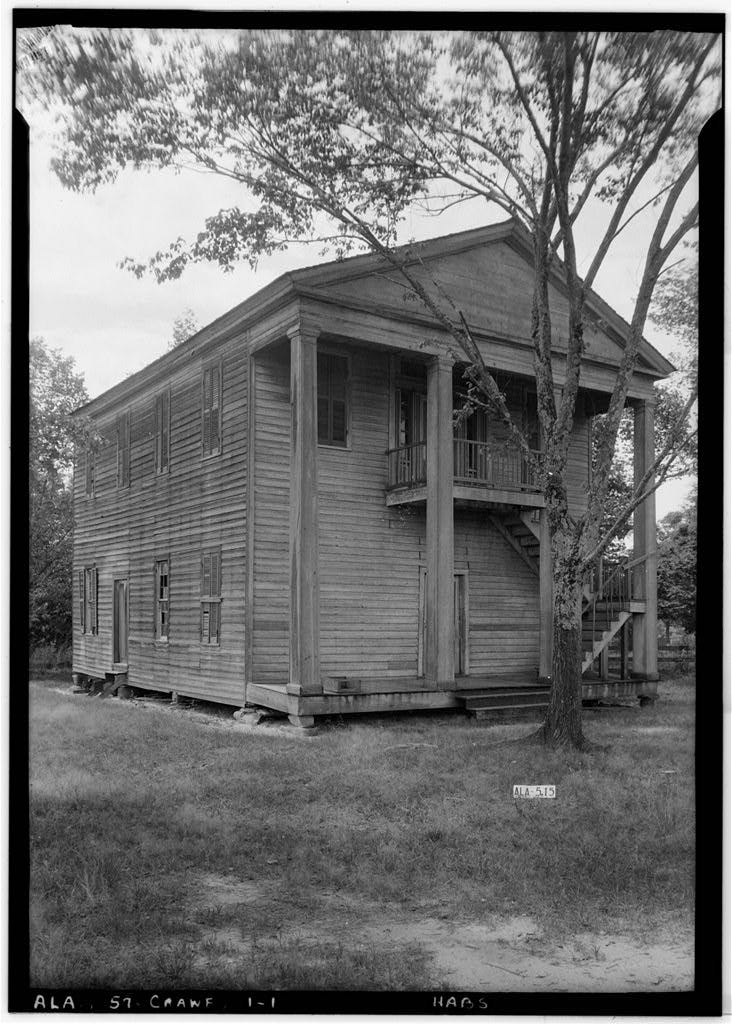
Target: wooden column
(440,640)
(304,625)
(645,629)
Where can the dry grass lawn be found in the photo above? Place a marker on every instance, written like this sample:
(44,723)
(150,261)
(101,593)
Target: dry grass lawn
(177,848)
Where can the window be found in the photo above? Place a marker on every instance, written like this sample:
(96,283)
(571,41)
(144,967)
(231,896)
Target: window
(90,468)
(123,450)
(210,597)
(88,600)
(332,400)
(162,432)
(162,592)
(211,406)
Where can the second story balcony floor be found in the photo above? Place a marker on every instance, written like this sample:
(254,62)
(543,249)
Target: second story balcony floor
(483,472)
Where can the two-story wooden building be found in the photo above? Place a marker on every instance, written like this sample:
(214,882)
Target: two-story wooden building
(283,512)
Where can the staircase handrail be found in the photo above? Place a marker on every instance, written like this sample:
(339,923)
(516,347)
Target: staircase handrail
(624,566)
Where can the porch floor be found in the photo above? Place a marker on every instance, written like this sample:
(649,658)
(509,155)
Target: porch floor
(412,694)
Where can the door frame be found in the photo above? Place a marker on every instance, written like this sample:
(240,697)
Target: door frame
(461,580)
(115,621)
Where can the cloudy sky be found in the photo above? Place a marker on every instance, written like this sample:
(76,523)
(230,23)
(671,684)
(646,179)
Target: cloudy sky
(112,323)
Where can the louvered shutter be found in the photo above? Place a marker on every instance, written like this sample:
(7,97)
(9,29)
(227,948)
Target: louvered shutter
(123,450)
(82,618)
(215,408)
(93,599)
(212,406)
(210,596)
(165,431)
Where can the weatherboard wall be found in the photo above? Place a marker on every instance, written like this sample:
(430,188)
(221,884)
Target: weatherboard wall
(198,505)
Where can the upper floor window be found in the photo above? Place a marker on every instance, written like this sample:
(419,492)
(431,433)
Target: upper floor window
(162,432)
(210,596)
(123,450)
(332,400)
(162,599)
(211,405)
(90,471)
(88,600)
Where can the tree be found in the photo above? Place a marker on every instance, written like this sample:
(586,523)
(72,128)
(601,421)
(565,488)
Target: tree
(184,325)
(677,568)
(56,389)
(675,308)
(334,136)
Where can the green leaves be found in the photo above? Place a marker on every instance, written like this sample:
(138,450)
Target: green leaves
(56,390)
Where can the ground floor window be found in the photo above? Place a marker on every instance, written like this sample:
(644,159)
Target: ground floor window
(162,591)
(211,596)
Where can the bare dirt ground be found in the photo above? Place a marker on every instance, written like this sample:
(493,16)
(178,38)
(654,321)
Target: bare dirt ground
(498,954)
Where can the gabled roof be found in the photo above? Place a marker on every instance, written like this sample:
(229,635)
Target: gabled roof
(315,281)
(509,231)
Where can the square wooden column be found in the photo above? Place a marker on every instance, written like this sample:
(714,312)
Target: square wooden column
(440,640)
(645,624)
(304,611)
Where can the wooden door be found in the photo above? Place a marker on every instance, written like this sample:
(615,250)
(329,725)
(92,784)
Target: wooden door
(120,622)
(460,618)
(460,631)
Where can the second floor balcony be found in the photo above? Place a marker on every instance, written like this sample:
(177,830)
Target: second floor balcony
(482,472)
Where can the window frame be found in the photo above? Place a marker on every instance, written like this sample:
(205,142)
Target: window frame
(216,365)
(123,451)
(209,599)
(162,432)
(333,353)
(158,601)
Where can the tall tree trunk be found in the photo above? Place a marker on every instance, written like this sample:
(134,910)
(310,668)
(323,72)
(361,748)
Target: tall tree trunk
(563,723)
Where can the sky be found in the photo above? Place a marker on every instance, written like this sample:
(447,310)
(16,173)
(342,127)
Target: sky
(113,323)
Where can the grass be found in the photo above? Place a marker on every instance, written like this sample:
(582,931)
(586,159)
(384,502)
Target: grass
(134,812)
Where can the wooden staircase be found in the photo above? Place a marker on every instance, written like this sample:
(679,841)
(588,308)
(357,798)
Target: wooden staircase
(520,529)
(607,595)
(605,608)
(597,635)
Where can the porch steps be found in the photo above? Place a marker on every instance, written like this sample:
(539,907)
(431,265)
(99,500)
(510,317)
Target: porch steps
(505,698)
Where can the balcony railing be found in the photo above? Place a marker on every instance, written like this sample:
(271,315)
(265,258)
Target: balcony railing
(475,463)
(486,465)
(407,465)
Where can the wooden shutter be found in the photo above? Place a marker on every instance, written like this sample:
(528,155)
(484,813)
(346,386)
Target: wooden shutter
(165,432)
(82,601)
(89,471)
(332,399)
(93,581)
(123,450)
(338,385)
(162,432)
(212,407)
(210,596)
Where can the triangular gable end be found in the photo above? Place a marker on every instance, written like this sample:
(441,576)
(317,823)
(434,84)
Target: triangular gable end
(488,274)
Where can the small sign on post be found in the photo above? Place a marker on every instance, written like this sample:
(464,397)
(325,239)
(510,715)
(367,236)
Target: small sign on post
(543,792)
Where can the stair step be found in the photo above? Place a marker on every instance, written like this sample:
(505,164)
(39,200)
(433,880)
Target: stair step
(497,711)
(512,700)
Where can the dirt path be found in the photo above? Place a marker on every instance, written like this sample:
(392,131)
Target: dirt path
(498,955)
